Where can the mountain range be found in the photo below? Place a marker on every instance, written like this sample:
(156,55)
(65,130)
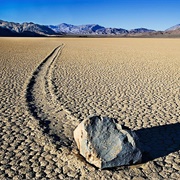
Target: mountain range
(24,29)
(32,29)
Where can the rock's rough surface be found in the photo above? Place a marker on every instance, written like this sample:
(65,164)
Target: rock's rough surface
(106,144)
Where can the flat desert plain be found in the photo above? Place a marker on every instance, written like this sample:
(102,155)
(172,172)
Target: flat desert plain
(49,85)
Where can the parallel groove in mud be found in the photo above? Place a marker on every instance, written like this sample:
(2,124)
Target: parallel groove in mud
(43,104)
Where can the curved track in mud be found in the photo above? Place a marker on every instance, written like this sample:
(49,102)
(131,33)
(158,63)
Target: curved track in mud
(43,104)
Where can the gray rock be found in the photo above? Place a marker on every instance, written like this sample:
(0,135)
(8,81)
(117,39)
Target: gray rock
(106,144)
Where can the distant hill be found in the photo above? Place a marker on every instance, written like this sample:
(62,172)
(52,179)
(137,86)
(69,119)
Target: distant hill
(24,29)
(173,28)
(141,30)
(7,32)
(94,29)
(72,29)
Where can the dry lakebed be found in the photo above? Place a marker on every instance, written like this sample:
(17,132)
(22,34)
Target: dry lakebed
(49,85)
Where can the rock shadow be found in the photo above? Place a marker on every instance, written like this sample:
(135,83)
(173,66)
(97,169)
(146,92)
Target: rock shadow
(159,141)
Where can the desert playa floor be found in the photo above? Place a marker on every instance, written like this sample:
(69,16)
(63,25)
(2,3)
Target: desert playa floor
(49,85)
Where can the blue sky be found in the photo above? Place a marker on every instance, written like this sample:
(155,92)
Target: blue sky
(128,14)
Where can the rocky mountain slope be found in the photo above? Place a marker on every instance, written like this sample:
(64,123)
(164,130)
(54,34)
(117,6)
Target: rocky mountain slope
(95,29)
(173,28)
(24,29)
(72,29)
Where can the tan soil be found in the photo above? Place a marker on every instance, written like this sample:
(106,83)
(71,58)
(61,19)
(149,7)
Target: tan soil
(45,92)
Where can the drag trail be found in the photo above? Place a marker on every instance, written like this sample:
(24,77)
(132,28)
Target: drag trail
(43,103)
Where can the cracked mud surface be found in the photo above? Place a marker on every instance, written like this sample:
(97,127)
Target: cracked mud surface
(49,85)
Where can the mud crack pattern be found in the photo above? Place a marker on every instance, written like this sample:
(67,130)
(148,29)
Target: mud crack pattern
(40,97)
